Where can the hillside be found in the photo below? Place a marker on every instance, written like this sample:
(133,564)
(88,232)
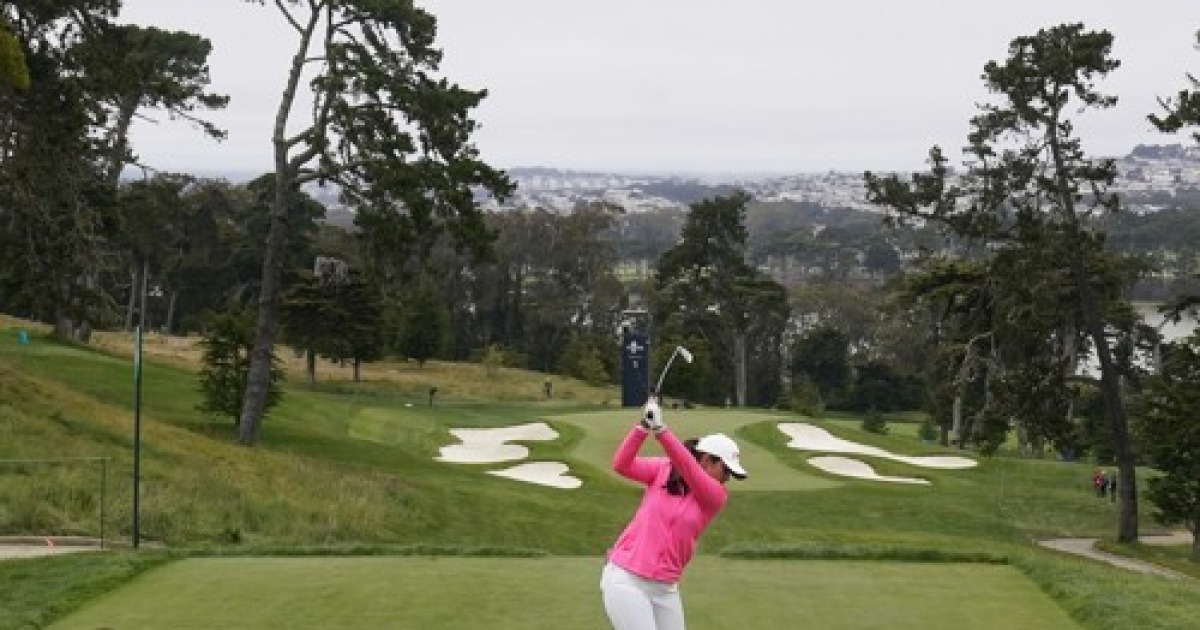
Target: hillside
(323,473)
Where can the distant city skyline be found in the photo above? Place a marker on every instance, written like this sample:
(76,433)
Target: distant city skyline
(700,86)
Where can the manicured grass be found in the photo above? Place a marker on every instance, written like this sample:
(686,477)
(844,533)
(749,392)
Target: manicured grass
(555,593)
(605,430)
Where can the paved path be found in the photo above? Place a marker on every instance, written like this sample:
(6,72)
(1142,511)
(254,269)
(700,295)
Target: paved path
(31,546)
(1087,547)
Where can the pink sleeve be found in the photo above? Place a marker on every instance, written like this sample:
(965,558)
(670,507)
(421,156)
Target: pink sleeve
(710,494)
(628,465)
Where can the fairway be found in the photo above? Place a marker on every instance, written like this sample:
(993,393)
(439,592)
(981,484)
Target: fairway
(606,429)
(495,593)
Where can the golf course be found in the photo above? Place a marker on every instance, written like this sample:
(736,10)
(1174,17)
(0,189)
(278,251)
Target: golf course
(349,515)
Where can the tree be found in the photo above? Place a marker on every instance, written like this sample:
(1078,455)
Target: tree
(1030,188)
(705,287)
(391,134)
(1169,434)
(310,317)
(1182,110)
(152,233)
(822,356)
(425,327)
(225,363)
(359,336)
(133,68)
(61,150)
(51,204)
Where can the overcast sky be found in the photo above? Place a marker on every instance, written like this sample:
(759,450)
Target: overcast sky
(717,86)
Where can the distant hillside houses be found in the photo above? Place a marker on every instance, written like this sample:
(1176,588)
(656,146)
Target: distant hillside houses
(1150,178)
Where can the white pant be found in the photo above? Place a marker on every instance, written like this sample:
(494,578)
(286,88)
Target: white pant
(635,603)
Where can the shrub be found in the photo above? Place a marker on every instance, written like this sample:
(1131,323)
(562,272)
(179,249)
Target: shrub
(874,422)
(226,365)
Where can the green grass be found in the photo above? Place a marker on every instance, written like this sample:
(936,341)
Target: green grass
(1177,557)
(767,472)
(38,590)
(349,468)
(467,593)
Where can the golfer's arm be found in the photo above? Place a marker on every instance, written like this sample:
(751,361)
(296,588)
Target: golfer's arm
(626,462)
(709,492)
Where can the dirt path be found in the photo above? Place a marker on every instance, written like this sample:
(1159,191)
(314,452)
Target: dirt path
(1086,547)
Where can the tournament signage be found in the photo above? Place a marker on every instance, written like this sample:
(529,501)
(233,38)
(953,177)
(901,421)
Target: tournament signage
(635,369)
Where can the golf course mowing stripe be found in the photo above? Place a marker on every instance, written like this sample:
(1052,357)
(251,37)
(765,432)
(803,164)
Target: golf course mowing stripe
(563,592)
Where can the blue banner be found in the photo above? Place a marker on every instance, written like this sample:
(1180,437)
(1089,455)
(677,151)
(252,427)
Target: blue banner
(635,369)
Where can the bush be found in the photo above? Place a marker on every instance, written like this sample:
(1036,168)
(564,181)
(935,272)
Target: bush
(928,431)
(805,398)
(874,422)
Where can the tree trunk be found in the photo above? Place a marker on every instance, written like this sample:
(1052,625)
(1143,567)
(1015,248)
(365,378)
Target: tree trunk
(170,325)
(1127,524)
(258,381)
(1110,387)
(310,367)
(1022,439)
(357,369)
(956,416)
(739,351)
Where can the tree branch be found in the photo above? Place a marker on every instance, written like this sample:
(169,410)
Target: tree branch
(290,18)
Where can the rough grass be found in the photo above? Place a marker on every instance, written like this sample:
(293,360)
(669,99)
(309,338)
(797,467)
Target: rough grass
(1177,557)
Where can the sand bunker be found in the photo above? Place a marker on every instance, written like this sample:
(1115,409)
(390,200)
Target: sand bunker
(490,446)
(847,467)
(807,437)
(542,473)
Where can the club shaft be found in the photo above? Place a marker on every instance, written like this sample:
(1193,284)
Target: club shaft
(663,375)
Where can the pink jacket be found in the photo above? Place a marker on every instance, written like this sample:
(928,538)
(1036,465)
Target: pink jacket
(660,540)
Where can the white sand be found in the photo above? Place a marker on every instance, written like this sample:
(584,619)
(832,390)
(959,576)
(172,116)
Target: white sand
(542,473)
(847,467)
(490,446)
(807,437)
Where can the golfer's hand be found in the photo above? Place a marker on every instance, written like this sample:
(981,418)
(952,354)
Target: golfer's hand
(652,418)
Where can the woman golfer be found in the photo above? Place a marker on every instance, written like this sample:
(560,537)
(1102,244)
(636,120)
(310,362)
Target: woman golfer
(684,492)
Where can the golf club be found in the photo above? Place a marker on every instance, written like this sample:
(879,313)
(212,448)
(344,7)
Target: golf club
(679,351)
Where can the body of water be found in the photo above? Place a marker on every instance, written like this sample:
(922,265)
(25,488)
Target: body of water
(1171,331)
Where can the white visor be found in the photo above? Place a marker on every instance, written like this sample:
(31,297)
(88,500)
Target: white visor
(723,447)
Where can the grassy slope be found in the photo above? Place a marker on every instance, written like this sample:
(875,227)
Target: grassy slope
(351,462)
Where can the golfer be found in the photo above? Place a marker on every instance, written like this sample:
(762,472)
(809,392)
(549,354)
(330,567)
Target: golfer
(684,492)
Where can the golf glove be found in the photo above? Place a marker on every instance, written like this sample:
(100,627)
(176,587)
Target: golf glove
(652,418)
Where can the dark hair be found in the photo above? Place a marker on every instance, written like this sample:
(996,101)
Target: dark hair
(676,486)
